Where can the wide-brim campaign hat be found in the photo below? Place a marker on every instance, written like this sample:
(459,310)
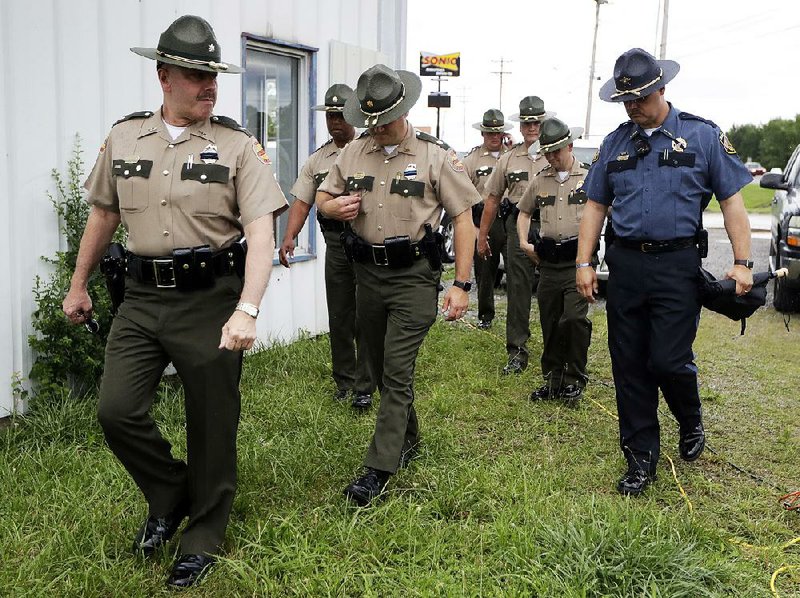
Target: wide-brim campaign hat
(189,42)
(493,122)
(335,98)
(382,96)
(637,74)
(531,109)
(555,134)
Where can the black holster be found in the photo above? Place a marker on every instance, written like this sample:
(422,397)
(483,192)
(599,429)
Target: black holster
(433,247)
(353,249)
(112,265)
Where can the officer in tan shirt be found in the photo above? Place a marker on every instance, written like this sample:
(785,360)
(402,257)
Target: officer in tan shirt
(510,177)
(391,188)
(349,371)
(186,185)
(479,164)
(558,195)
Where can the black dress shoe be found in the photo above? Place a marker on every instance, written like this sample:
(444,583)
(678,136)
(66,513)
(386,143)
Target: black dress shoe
(157,531)
(189,569)
(484,324)
(692,443)
(634,482)
(516,365)
(363,490)
(362,401)
(571,395)
(341,395)
(543,393)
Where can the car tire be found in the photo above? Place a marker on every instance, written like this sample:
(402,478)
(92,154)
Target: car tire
(448,232)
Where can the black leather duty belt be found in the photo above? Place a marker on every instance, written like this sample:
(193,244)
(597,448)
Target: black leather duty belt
(649,246)
(187,269)
(556,252)
(378,255)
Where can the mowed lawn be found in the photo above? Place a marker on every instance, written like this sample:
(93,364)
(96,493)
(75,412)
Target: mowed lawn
(508,498)
(756,200)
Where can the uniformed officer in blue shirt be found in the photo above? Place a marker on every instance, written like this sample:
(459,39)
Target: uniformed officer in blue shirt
(658,171)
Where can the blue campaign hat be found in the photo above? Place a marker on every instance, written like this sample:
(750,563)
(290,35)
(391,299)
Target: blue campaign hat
(637,74)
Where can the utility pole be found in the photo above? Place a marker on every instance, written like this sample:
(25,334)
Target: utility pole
(463,97)
(663,52)
(591,68)
(502,72)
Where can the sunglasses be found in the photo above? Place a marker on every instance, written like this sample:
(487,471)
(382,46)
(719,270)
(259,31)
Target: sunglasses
(641,100)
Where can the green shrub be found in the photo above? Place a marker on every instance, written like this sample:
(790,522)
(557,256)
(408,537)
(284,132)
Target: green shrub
(67,357)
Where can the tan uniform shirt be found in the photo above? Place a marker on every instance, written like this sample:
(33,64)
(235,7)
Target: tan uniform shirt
(513,172)
(314,172)
(403,191)
(479,164)
(560,203)
(201,189)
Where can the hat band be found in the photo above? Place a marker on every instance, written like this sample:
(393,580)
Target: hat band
(375,115)
(221,66)
(543,147)
(637,90)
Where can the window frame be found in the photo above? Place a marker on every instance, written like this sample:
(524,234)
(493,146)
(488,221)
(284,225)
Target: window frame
(308,69)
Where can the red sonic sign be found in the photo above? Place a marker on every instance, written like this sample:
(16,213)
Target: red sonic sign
(439,65)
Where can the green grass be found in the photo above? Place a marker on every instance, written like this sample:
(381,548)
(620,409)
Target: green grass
(756,200)
(507,498)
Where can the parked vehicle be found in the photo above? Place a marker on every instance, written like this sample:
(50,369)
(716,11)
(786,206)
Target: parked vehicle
(446,228)
(755,168)
(784,249)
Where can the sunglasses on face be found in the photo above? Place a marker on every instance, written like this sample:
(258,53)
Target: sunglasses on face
(641,100)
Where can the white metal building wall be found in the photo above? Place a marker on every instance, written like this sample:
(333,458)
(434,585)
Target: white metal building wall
(65,69)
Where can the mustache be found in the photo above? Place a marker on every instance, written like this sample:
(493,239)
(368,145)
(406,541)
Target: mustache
(207,96)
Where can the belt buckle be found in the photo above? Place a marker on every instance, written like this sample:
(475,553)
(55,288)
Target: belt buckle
(647,246)
(376,250)
(169,269)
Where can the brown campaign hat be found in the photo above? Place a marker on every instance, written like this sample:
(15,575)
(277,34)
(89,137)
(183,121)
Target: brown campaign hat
(335,98)
(555,134)
(493,122)
(637,74)
(382,96)
(531,109)
(189,42)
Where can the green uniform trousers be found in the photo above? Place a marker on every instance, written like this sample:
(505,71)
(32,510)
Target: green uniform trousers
(153,327)
(566,331)
(521,274)
(349,368)
(486,270)
(396,308)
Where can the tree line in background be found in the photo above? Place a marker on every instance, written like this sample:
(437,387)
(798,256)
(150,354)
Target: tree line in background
(771,144)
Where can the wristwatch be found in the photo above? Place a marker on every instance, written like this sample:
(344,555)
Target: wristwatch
(463,285)
(248,308)
(747,263)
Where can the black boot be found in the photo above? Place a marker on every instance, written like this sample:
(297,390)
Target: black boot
(188,570)
(157,531)
(369,486)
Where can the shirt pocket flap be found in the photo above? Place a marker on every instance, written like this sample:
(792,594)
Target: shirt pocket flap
(621,165)
(126,170)
(407,188)
(206,173)
(358,184)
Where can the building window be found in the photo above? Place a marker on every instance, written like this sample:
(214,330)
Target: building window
(276,94)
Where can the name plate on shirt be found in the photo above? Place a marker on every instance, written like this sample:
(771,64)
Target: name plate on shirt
(676,159)
(407,188)
(360,183)
(620,165)
(205,173)
(127,169)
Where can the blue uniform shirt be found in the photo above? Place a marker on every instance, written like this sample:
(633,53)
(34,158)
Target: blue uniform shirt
(660,196)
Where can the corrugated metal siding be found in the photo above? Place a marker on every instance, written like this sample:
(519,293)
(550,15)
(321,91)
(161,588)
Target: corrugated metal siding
(67,70)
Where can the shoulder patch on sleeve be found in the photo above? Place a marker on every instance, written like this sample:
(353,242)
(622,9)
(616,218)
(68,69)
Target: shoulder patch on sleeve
(103,147)
(452,159)
(230,123)
(260,152)
(726,143)
(133,115)
(432,139)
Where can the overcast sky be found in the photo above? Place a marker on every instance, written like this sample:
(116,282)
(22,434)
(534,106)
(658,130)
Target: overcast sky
(740,59)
